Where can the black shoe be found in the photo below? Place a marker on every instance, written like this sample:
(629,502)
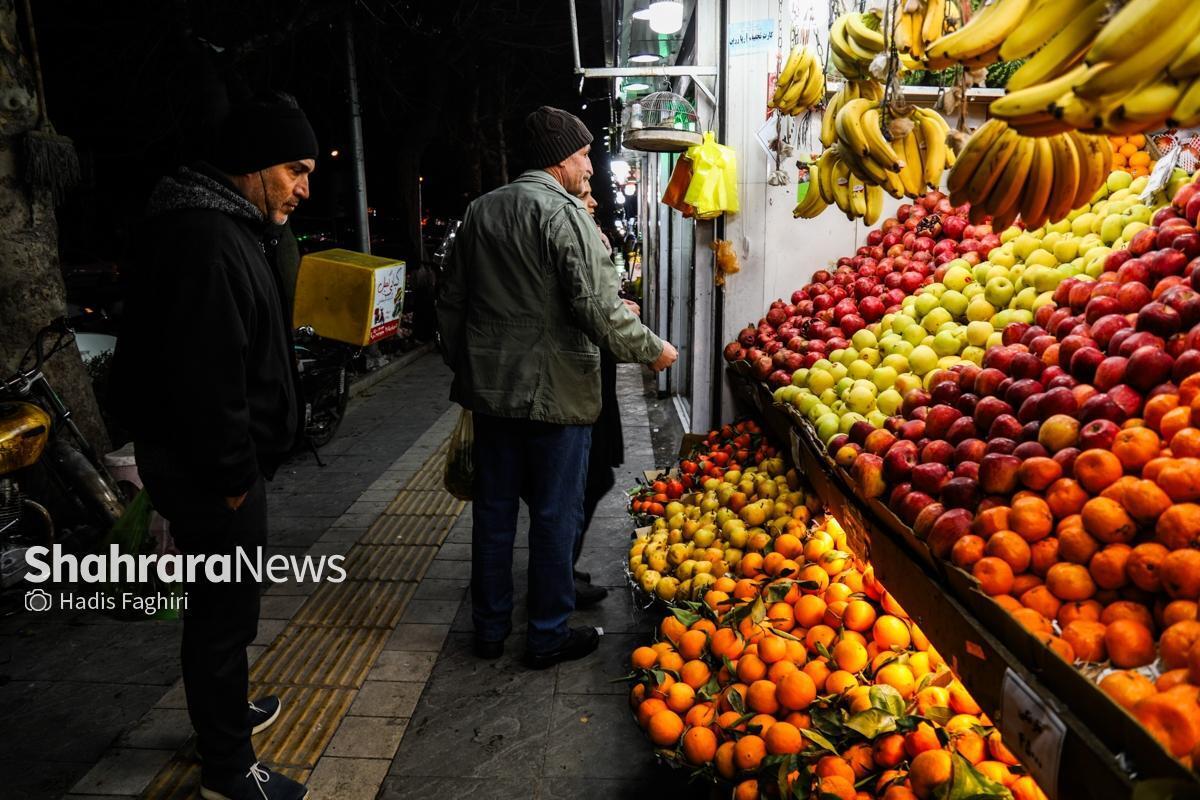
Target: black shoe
(263,712)
(580,575)
(588,595)
(487,649)
(259,783)
(580,642)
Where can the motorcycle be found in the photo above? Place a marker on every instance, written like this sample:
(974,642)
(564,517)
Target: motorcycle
(43,455)
(323,365)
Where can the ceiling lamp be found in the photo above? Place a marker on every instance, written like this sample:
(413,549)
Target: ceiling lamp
(666,16)
(641,10)
(636,87)
(644,58)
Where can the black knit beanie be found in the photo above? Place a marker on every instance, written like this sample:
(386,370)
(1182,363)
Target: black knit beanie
(258,135)
(553,134)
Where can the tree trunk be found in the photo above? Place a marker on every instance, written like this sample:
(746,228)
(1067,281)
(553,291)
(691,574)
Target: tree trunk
(31,285)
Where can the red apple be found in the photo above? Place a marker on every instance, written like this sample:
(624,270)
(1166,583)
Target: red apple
(1099,433)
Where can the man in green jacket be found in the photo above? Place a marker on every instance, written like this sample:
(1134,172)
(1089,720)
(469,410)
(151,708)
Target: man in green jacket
(527,300)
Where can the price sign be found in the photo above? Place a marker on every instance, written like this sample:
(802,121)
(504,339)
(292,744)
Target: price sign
(1034,732)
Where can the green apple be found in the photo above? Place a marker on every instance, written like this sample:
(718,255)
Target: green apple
(896,362)
(861,397)
(785,394)
(979,273)
(1130,230)
(1043,299)
(877,418)
(1025,244)
(1024,298)
(937,316)
(884,377)
(870,356)
(946,343)
(863,339)
(1082,225)
(843,385)
(849,356)
(1048,242)
(998,291)
(848,419)
(806,401)
(904,348)
(1062,226)
(1023,314)
(820,379)
(800,377)
(995,340)
(1008,234)
(973,290)
(923,359)
(822,364)
(957,277)
(980,310)
(1003,256)
(839,371)
(836,355)
(1118,180)
(926,302)
(955,302)
(888,401)
(1047,280)
(1066,250)
(973,354)
(902,322)
(914,335)
(827,426)
(978,332)
(829,396)
(861,369)
(1002,318)
(1043,258)
(819,410)
(1094,269)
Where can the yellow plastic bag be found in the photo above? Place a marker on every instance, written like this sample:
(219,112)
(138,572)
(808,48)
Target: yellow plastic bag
(459,474)
(713,189)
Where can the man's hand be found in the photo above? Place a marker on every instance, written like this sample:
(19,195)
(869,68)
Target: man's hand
(633,306)
(666,358)
(235,503)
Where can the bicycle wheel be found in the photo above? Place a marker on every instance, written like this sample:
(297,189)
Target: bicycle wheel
(327,408)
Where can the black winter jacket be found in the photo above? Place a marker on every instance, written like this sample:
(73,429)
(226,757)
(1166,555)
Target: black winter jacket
(203,366)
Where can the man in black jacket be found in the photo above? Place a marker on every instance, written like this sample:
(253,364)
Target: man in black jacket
(205,380)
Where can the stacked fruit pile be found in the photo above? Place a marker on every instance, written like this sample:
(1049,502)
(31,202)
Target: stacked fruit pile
(806,676)
(1064,472)
(1130,154)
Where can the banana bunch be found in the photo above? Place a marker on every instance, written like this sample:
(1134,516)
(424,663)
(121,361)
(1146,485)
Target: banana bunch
(835,184)
(1004,174)
(851,90)
(1134,71)
(801,84)
(854,41)
(978,42)
(903,167)
(920,24)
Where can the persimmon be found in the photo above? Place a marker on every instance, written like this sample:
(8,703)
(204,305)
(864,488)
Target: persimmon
(1176,641)
(1109,566)
(1179,526)
(1043,555)
(1095,469)
(1127,609)
(1039,472)
(1065,497)
(1173,718)
(994,574)
(1135,447)
(1180,479)
(1171,678)
(1032,620)
(1086,609)
(1107,521)
(989,521)
(1156,407)
(966,551)
(1031,518)
(1180,574)
(1070,582)
(1177,611)
(1086,639)
(1130,644)
(1127,687)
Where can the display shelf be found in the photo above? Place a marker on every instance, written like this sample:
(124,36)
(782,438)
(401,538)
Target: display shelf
(1072,737)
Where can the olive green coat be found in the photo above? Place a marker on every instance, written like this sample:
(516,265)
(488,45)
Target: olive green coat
(527,299)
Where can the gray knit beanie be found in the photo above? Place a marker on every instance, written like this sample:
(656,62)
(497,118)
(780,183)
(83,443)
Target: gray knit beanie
(553,134)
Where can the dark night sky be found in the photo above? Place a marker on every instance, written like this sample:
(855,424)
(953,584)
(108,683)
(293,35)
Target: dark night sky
(134,83)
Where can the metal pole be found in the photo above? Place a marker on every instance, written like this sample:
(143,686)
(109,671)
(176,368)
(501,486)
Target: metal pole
(358,174)
(575,35)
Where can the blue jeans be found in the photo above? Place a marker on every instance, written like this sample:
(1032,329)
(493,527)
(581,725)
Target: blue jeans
(546,465)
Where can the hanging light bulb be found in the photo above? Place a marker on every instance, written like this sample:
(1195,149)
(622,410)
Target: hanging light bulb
(666,16)
(630,189)
(620,169)
(641,10)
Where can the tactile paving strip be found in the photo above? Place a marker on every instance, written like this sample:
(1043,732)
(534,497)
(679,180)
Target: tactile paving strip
(432,503)
(371,562)
(391,529)
(356,604)
(337,657)
(308,721)
(180,779)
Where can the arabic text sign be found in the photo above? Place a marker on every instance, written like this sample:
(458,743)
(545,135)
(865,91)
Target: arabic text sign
(751,36)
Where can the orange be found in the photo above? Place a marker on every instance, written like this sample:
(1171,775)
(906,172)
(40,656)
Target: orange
(996,772)
(1180,573)
(1180,479)
(726,643)
(1010,547)
(1130,644)
(1032,620)
(1076,545)
(1171,678)
(665,728)
(670,661)
(760,724)
(772,649)
(680,697)
(836,787)
(839,682)
(1186,443)
(779,669)
(699,746)
(746,790)
(1095,469)
(1039,472)
(999,752)
(671,629)
(1175,420)
(1043,555)
(749,752)
(1042,600)
(1106,520)
(750,668)
(643,658)
(1065,497)
(818,670)
(995,576)
(921,738)
(796,691)
(695,674)
(788,545)
(726,767)
(701,715)
(648,709)
(1026,788)
(1179,526)
(1127,687)
(1070,582)
(1143,564)
(809,610)
(760,697)
(834,612)
(781,616)
(860,759)
(859,615)
(1176,641)
(1173,718)
(899,677)
(1158,406)
(1086,638)
(888,750)
(929,771)
(961,701)
(890,632)
(989,521)
(1031,518)
(1127,609)
(970,745)
(967,550)
(1178,610)
(850,656)
(833,767)
(692,644)
(1109,566)
(783,738)
(1135,447)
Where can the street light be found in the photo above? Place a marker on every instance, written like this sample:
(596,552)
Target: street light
(666,16)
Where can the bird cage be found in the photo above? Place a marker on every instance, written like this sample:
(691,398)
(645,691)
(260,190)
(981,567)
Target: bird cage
(661,122)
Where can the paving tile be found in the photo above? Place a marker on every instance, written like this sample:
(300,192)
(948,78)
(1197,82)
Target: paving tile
(386,699)
(598,673)
(594,736)
(269,630)
(435,611)
(434,589)
(614,614)
(280,606)
(159,729)
(490,736)
(605,569)
(367,737)
(174,697)
(64,652)
(402,665)
(417,636)
(36,780)
(347,778)
(123,771)
(459,671)
(451,551)
(345,534)
(451,570)
(656,783)
(426,788)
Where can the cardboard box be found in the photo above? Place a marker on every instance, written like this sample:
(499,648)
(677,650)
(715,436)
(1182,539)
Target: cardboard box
(350,297)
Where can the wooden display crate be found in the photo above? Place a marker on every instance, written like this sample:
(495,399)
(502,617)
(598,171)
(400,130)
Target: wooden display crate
(1077,742)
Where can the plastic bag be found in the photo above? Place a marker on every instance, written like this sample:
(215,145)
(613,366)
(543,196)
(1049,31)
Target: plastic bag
(681,179)
(727,260)
(133,536)
(713,190)
(460,464)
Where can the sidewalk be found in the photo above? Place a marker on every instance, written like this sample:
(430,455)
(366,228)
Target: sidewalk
(382,695)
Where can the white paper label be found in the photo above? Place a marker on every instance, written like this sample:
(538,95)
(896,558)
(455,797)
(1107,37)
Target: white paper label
(1033,732)
(1161,175)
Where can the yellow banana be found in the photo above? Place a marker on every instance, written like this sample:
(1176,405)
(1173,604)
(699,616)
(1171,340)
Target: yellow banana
(874,198)
(1063,51)
(1011,183)
(1126,34)
(934,139)
(858,28)
(1187,63)
(828,131)
(988,172)
(973,153)
(1035,99)
(1038,184)
(1066,178)
(912,175)
(858,202)
(985,31)
(1040,26)
(849,126)
(934,21)
(878,147)
(1187,110)
(1109,77)
(1081,114)
(1152,101)
(795,58)
(1090,164)
(825,167)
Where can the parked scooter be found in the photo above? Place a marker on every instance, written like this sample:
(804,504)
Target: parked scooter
(323,365)
(44,456)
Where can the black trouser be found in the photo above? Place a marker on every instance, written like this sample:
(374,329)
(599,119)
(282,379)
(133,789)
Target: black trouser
(221,619)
